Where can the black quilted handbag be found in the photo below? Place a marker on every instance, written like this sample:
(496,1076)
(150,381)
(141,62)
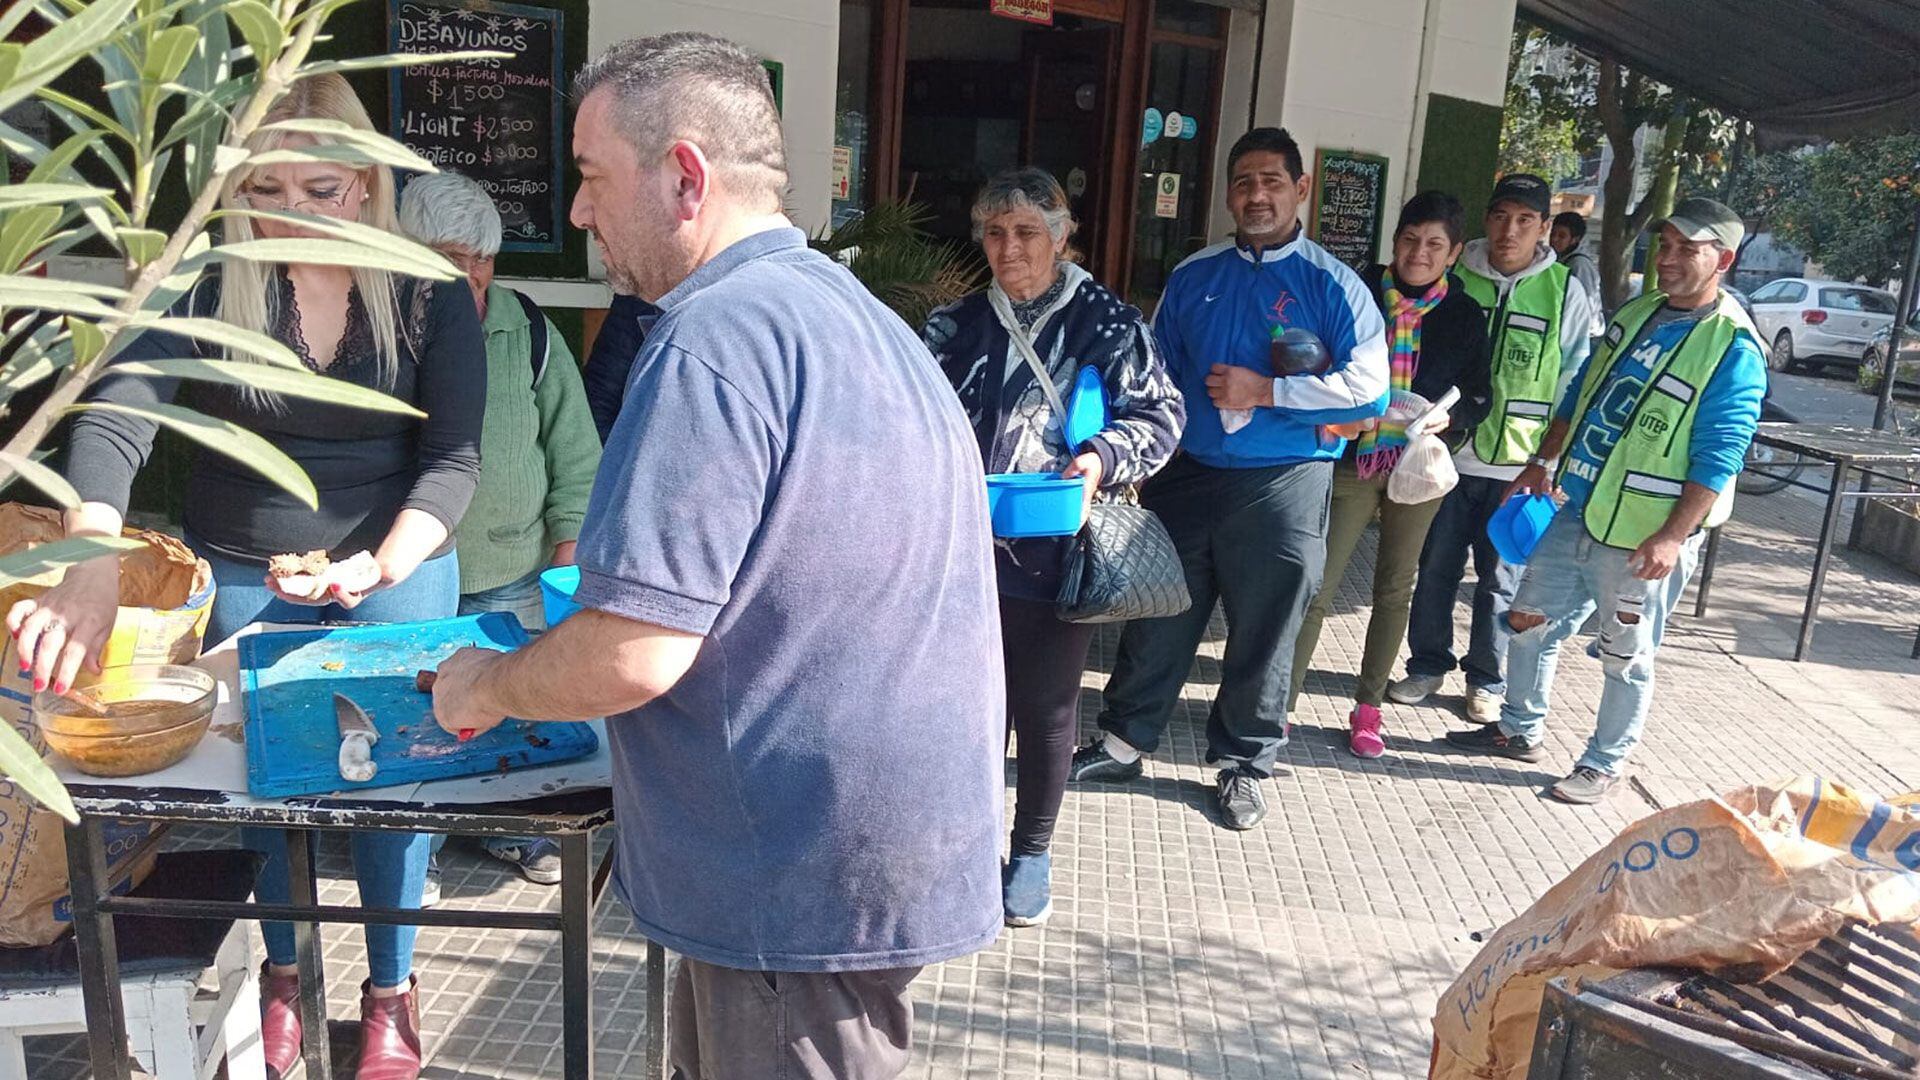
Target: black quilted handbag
(1122,566)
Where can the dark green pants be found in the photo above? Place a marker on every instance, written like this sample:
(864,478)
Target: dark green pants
(1403,529)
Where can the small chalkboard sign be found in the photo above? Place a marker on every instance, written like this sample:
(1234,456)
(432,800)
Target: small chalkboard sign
(497,121)
(1349,204)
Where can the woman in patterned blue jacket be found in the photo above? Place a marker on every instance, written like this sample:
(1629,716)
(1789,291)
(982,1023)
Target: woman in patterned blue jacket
(1023,222)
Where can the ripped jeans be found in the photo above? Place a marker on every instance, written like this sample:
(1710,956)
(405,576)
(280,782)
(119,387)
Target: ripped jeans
(1568,577)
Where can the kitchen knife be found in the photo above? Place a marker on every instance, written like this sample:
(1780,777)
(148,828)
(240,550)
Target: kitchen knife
(357,736)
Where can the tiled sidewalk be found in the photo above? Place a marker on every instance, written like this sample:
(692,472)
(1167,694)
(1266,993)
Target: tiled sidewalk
(1316,945)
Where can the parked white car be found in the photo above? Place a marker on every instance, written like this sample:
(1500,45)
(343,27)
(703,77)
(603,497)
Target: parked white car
(1805,321)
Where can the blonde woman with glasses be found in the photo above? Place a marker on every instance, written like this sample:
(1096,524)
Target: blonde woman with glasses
(388,484)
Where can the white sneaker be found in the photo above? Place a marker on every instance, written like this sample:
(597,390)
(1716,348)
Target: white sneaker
(1483,706)
(1415,689)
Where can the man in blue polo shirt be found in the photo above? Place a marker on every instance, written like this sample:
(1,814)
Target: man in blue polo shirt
(806,740)
(1246,500)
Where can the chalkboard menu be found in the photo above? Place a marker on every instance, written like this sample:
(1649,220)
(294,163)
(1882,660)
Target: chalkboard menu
(1349,202)
(497,121)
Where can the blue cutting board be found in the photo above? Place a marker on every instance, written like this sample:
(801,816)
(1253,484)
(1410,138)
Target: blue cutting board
(293,737)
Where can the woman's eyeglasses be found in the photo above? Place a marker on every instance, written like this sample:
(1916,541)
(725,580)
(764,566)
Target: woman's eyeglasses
(464,261)
(331,202)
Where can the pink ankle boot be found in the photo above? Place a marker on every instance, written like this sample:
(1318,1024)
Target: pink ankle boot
(1364,737)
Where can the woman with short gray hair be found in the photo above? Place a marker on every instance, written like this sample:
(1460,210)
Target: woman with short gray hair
(539,449)
(1040,299)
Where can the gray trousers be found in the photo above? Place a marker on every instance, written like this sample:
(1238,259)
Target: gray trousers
(728,1024)
(1254,540)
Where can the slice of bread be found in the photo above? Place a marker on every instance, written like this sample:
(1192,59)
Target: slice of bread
(314,575)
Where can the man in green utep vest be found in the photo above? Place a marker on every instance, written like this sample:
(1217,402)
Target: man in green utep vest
(1659,420)
(1539,319)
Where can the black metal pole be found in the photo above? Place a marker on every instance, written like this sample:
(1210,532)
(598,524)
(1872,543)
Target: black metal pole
(656,1011)
(576,954)
(93,934)
(303,887)
(1822,555)
(1909,276)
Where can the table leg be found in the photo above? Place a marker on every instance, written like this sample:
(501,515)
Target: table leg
(303,888)
(576,953)
(1706,572)
(656,1011)
(1822,554)
(99,955)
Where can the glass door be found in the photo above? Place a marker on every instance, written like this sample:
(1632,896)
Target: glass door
(1069,103)
(1173,189)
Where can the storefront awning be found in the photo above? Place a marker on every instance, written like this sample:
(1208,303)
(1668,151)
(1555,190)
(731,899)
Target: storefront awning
(1793,67)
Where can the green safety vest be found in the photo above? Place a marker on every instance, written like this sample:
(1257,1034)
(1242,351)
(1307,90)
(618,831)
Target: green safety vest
(1642,478)
(1525,329)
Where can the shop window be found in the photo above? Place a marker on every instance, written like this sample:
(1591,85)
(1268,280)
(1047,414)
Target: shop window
(1174,189)
(852,111)
(1190,17)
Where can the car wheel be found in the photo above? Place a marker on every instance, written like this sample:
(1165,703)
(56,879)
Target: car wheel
(1780,357)
(1869,376)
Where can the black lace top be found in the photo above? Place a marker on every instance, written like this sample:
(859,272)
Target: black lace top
(366,466)
(356,344)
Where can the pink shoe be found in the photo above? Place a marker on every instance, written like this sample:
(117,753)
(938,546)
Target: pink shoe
(1364,738)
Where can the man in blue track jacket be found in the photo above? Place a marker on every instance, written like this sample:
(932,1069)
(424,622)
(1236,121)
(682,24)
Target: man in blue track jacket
(1246,500)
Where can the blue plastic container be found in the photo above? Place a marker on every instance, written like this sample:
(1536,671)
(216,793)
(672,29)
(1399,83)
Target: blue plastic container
(1516,528)
(1086,408)
(1035,504)
(556,593)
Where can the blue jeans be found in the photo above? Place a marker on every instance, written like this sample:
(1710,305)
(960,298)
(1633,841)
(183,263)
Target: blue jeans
(1569,575)
(390,867)
(520,598)
(1459,529)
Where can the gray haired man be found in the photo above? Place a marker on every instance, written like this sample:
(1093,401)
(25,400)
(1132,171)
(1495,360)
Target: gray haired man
(789,617)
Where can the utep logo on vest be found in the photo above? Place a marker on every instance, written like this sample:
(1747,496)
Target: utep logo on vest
(1653,424)
(1516,357)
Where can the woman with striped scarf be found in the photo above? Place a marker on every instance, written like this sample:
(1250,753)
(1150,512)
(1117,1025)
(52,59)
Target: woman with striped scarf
(1438,339)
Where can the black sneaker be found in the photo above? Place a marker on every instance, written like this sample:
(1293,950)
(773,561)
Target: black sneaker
(537,859)
(1242,804)
(1491,740)
(1092,762)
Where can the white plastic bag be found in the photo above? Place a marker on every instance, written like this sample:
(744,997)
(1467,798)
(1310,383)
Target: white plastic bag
(1424,472)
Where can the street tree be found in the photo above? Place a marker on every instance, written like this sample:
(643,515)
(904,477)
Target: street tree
(1559,99)
(1849,204)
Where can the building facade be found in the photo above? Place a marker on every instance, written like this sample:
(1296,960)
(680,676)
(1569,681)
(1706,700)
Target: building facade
(1121,99)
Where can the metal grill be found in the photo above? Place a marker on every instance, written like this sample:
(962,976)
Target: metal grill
(1850,1007)
(1855,995)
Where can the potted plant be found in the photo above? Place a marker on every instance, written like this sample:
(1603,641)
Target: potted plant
(183,85)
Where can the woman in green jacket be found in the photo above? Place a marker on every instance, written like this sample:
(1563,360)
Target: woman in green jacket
(538,448)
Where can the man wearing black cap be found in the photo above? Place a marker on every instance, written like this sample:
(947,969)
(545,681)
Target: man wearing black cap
(1648,442)
(1539,317)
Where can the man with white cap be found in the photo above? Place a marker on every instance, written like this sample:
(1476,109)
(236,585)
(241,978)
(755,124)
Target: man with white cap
(1643,452)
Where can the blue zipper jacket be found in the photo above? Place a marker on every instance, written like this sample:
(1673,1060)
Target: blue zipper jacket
(1222,305)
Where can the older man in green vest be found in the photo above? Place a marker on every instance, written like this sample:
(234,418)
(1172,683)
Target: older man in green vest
(1643,453)
(1539,318)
